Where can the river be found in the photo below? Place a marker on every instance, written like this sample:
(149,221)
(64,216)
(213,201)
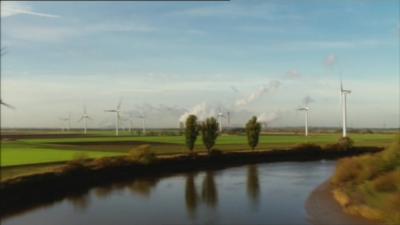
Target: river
(270,193)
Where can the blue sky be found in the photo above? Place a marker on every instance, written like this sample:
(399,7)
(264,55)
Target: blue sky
(166,58)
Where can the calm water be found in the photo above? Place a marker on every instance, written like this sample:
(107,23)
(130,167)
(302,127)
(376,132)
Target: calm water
(273,193)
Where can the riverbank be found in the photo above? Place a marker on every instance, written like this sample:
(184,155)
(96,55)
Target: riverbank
(323,209)
(369,185)
(21,193)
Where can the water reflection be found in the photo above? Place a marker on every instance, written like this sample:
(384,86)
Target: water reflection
(209,192)
(191,196)
(236,200)
(79,200)
(143,187)
(253,184)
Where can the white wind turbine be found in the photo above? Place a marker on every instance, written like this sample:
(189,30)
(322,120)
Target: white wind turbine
(117,110)
(6,105)
(130,120)
(305,109)
(66,120)
(2,53)
(143,117)
(84,117)
(220,115)
(344,94)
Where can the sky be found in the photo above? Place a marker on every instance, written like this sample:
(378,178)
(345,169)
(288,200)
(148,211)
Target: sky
(166,60)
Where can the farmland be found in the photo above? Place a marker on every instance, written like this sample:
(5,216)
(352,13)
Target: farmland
(37,150)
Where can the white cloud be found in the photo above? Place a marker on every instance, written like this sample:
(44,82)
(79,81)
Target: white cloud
(9,8)
(292,74)
(59,33)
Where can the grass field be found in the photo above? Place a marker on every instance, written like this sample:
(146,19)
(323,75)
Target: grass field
(47,150)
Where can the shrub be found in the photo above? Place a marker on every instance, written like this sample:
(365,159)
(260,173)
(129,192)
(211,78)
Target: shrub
(105,162)
(216,153)
(78,162)
(387,182)
(344,143)
(346,171)
(143,154)
(307,147)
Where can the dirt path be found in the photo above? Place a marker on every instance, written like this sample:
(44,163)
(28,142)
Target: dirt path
(322,209)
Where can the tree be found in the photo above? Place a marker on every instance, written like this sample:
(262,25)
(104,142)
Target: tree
(191,131)
(209,132)
(253,129)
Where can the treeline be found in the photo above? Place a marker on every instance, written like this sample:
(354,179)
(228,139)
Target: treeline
(209,132)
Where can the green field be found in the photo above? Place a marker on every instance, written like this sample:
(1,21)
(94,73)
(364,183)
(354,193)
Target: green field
(48,150)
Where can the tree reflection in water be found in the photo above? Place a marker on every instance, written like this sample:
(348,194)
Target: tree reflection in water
(143,187)
(80,201)
(191,196)
(253,184)
(209,190)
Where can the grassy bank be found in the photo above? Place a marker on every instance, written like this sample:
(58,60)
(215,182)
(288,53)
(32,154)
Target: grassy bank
(369,185)
(19,150)
(24,192)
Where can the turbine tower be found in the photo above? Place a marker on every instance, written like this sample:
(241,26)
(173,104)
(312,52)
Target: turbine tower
(84,117)
(344,94)
(228,115)
(143,117)
(117,110)
(220,115)
(305,109)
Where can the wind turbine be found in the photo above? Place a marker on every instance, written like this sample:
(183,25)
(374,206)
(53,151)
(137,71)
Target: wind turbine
(6,105)
(305,109)
(344,94)
(66,120)
(220,115)
(130,120)
(143,117)
(117,110)
(2,53)
(84,117)
(228,115)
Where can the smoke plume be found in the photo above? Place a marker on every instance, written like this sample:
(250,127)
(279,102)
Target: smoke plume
(330,60)
(202,111)
(307,100)
(292,74)
(266,118)
(270,87)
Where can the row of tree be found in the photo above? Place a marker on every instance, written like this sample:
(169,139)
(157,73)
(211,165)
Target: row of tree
(209,132)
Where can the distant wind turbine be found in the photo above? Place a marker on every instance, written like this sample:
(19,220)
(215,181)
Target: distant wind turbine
(305,109)
(66,120)
(220,115)
(344,94)
(228,115)
(84,118)
(130,120)
(117,110)
(143,117)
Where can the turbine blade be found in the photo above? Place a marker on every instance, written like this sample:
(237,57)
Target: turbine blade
(119,103)
(341,85)
(7,105)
